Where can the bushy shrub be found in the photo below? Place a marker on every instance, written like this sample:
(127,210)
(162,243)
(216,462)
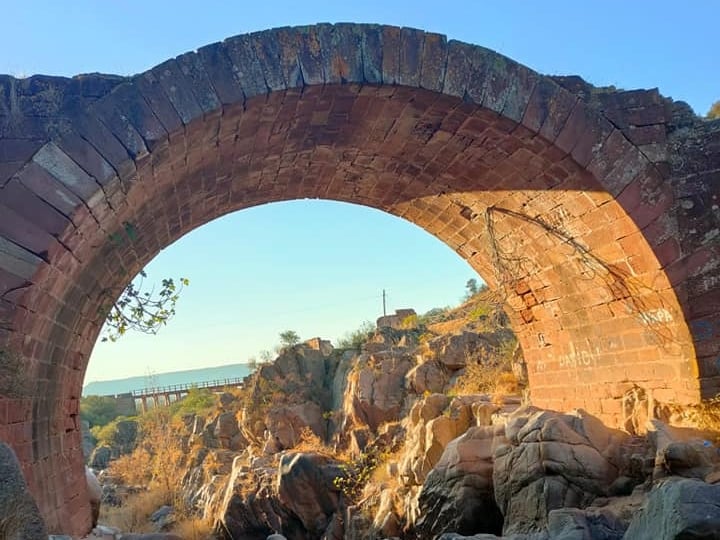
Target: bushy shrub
(109,434)
(197,401)
(356,338)
(98,410)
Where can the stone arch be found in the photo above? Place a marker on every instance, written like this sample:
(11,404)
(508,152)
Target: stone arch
(562,197)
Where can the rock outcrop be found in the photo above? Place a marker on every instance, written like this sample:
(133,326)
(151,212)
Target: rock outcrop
(553,461)
(458,492)
(306,488)
(678,509)
(377,443)
(376,391)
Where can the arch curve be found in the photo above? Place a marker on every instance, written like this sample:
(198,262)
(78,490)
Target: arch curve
(545,185)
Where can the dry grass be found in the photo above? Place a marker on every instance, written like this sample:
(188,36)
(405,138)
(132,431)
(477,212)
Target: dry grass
(193,529)
(310,442)
(490,373)
(133,516)
(133,469)
(707,416)
(498,381)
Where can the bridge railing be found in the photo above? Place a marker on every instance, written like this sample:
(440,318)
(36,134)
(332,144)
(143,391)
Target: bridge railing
(176,388)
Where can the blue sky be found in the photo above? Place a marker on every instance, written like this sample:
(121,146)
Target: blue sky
(319,267)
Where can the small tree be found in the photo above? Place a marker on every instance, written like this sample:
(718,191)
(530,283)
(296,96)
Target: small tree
(288,339)
(471,288)
(141,310)
(714,111)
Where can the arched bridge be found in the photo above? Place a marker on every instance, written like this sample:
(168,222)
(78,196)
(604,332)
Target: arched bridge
(593,212)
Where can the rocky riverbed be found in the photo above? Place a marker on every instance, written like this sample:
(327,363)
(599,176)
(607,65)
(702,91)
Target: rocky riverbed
(422,432)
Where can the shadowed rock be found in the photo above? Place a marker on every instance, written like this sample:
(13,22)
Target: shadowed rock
(19,515)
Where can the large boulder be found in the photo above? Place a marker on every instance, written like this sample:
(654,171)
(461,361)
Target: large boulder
(306,487)
(95,492)
(552,461)
(432,423)
(285,425)
(458,492)
(19,515)
(376,389)
(576,524)
(249,507)
(455,350)
(126,432)
(100,457)
(679,509)
(415,462)
(226,429)
(428,377)
(682,452)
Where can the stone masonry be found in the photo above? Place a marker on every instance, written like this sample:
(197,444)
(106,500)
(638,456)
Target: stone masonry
(593,212)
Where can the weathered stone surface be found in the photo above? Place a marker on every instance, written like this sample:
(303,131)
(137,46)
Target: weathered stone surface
(21,519)
(576,524)
(254,512)
(455,351)
(306,487)
(416,463)
(100,458)
(552,461)
(429,377)
(458,493)
(682,452)
(285,425)
(95,493)
(376,389)
(226,428)
(678,509)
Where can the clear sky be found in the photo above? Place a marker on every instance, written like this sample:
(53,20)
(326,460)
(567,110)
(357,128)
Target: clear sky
(319,267)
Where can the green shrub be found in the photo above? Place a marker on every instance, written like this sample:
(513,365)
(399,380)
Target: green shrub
(98,410)
(356,338)
(197,401)
(109,434)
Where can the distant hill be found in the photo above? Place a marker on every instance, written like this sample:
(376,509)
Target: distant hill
(121,386)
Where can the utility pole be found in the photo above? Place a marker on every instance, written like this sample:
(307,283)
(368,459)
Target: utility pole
(384,310)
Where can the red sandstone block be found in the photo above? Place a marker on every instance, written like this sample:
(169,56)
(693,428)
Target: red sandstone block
(668,252)
(538,105)
(18,410)
(632,244)
(24,452)
(21,432)
(647,115)
(646,134)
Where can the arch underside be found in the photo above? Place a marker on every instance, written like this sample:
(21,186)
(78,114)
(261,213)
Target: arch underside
(544,197)
(593,310)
